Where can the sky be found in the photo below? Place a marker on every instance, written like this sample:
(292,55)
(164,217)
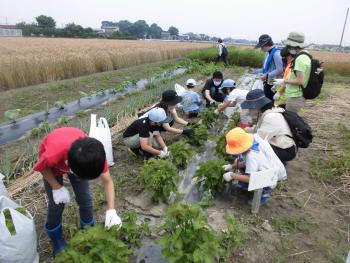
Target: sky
(320,20)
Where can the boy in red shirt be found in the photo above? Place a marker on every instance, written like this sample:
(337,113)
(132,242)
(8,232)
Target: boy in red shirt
(70,151)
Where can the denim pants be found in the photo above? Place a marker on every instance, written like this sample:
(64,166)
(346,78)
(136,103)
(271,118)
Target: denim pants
(82,196)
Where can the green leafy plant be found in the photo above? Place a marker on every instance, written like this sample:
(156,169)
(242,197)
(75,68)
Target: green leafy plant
(60,104)
(159,177)
(234,121)
(95,244)
(45,127)
(189,237)
(221,146)
(201,134)
(12,115)
(8,218)
(63,120)
(209,175)
(208,117)
(131,232)
(233,237)
(180,153)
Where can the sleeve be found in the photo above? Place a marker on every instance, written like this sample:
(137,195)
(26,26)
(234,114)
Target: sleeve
(278,64)
(301,63)
(220,49)
(41,164)
(143,131)
(251,164)
(105,168)
(207,85)
(258,71)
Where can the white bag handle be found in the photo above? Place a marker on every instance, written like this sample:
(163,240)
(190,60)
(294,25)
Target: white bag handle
(103,123)
(93,121)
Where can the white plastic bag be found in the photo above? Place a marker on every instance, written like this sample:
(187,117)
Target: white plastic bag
(272,158)
(22,246)
(102,133)
(3,191)
(258,84)
(179,89)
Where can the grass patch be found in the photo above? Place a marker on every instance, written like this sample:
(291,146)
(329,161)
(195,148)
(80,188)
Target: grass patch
(244,57)
(291,224)
(334,166)
(38,98)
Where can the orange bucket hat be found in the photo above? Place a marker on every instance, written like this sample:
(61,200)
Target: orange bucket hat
(238,141)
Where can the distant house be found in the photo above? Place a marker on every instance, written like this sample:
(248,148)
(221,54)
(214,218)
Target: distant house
(165,35)
(10,31)
(109,29)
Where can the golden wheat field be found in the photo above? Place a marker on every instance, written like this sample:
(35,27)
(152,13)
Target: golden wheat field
(336,62)
(28,61)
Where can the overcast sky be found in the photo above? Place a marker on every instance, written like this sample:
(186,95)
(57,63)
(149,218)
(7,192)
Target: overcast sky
(320,20)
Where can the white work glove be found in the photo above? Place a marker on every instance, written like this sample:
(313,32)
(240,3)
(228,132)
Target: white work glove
(216,112)
(212,102)
(276,96)
(227,167)
(61,195)
(112,219)
(165,149)
(163,154)
(227,176)
(278,82)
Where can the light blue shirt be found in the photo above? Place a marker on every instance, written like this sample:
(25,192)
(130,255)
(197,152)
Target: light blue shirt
(191,101)
(276,66)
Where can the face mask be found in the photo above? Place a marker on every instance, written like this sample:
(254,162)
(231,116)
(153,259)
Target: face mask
(217,83)
(292,51)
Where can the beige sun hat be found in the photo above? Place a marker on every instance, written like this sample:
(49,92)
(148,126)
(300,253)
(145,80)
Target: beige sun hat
(295,39)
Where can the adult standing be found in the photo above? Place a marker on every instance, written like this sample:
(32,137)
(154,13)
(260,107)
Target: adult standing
(273,65)
(222,52)
(300,74)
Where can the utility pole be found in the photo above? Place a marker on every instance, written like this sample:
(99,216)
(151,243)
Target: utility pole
(342,35)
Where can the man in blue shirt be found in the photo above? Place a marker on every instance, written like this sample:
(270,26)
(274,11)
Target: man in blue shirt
(273,65)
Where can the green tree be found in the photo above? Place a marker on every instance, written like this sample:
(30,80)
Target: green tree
(155,31)
(45,21)
(173,31)
(124,27)
(139,29)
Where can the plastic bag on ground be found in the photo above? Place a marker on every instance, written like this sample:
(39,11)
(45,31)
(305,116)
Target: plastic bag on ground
(22,246)
(3,191)
(102,133)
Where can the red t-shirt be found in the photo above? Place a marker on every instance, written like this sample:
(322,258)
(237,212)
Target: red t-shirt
(53,151)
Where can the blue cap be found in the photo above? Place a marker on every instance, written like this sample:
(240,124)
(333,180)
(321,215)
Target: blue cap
(157,115)
(228,83)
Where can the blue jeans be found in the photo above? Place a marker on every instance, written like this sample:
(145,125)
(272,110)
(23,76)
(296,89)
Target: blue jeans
(82,196)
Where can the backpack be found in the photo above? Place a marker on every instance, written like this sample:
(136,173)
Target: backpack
(314,85)
(224,52)
(301,131)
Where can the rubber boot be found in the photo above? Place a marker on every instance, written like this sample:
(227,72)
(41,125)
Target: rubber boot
(84,225)
(58,242)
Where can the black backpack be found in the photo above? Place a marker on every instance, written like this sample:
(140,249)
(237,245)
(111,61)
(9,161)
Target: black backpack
(224,52)
(301,131)
(314,85)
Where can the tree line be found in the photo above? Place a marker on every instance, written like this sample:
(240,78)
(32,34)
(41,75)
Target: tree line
(46,26)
